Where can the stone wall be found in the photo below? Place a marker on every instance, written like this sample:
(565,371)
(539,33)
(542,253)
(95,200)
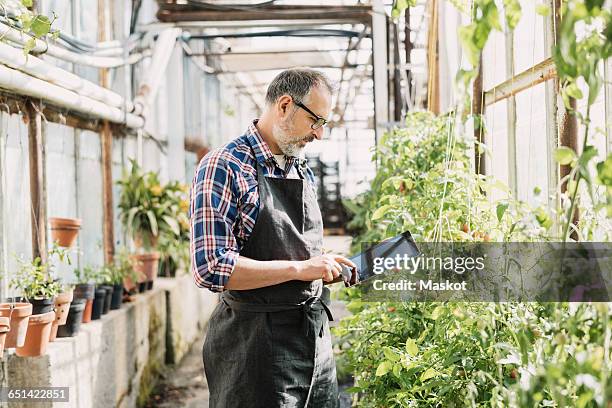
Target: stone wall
(116,360)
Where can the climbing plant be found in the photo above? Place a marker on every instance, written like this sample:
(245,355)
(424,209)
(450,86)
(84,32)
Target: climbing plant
(39,26)
(585,42)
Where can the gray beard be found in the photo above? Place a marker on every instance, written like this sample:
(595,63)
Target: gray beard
(291,149)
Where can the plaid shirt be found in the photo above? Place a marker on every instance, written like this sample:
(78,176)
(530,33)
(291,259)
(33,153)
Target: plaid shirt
(225,203)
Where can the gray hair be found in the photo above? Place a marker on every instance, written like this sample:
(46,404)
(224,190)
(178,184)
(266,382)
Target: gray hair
(297,83)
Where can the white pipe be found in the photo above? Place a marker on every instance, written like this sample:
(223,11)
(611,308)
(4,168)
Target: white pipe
(14,58)
(150,81)
(93,61)
(42,47)
(23,84)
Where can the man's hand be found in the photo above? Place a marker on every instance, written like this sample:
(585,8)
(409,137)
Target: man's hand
(326,267)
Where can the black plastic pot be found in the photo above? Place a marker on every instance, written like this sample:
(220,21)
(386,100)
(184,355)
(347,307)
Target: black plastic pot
(98,303)
(84,291)
(40,306)
(117,297)
(150,285)
(107,298)
(73,322)
(142,286)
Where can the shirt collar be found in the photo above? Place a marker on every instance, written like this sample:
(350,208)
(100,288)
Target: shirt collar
(262,151)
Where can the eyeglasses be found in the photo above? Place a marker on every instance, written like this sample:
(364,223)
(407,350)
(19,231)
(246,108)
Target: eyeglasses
(319,122)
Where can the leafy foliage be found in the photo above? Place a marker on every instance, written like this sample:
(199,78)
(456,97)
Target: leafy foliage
(425,183)
(150,210)
(478,354)
(36,279)
(463,354)
(39,26)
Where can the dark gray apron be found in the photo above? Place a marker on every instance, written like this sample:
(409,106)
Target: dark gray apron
(271,347)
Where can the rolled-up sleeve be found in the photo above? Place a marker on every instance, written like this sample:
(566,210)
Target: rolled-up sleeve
(213,212)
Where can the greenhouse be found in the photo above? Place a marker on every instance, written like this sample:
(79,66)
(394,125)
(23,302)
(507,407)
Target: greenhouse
(305,203)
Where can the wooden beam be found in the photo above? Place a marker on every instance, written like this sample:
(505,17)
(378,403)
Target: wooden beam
(533,76)
(433,62)
(106,141)
(15,104)
(265,53)
(38,199)
(346,14)
(478,109)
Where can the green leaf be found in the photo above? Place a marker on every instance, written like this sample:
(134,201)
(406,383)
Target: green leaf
(604,171)
(501,209)
(152,222)
(437,312)
(564,155)
(173,224)
(512,9)
(41,26)
(429,373)
(543,10)
(573,91)
(380,212)
(397,369)
(384,368)
(390,354)
(29,46)
(26,3)
(411,347)
(586,156)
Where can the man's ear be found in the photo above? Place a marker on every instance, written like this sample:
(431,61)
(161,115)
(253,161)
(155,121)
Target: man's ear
(283,104)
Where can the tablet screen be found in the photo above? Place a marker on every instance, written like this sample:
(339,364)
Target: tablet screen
(401,245)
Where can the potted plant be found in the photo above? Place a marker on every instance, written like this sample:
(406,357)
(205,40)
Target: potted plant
(64,230)
(37,284)
(103,295)
(85,289)
(145,210)
(62,307)
(120,271)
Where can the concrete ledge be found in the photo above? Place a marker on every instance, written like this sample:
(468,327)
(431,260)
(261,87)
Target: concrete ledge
(116,360)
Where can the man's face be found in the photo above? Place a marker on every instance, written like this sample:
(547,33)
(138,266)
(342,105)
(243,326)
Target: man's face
(293,131)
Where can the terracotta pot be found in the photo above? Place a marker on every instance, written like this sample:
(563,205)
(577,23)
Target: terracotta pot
(37,339)
(85,291)
(64,230)
(5,326)
(87,311)
(19,314)
(62,306)
(146,265)
(128,284)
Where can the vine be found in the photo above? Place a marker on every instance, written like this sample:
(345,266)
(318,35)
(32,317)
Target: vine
(37,25)
(585,42)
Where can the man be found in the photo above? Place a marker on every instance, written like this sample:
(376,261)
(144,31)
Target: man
(257,234)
